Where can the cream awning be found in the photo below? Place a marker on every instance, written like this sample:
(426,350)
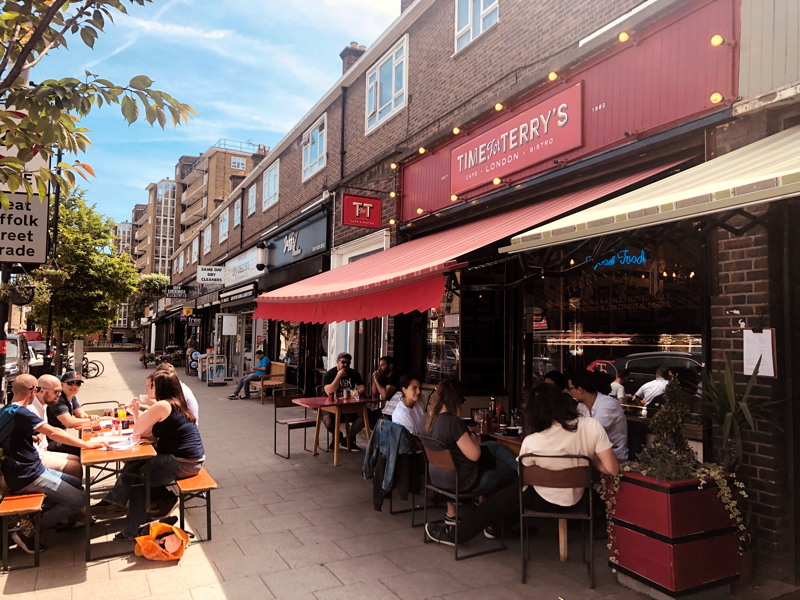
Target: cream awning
(761,172)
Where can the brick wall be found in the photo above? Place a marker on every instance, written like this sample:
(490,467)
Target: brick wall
(746,271)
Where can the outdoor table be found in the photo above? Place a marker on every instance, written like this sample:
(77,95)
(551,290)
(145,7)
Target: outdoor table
(110,462)
(336,408)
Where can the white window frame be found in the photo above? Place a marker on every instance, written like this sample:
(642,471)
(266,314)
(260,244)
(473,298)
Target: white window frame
(252,198)
(270,195)
(223,225)
(374,114)
(237,213)
(314,164)
(180,263)
(195,249)
(207,240)
(238,160)
(474,27)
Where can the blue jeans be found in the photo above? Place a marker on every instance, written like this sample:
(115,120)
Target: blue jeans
(63,492)
(129,488)
(245,382)
(500,469)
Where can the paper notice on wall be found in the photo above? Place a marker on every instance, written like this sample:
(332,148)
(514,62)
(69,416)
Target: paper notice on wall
(759,345)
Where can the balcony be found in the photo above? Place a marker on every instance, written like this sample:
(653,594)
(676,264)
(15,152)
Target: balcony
(141,233)
(194,192)
(194,213)
(141,263)
(143,219)
(199,168)
(190,233)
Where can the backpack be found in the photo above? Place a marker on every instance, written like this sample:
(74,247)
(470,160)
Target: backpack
(7,421)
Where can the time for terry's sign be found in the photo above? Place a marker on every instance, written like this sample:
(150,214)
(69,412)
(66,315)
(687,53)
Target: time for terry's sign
(543,131)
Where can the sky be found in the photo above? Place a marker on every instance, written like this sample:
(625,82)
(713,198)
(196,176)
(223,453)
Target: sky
(250,68)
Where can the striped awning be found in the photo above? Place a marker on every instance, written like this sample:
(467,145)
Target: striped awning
(761,172)
(410,276)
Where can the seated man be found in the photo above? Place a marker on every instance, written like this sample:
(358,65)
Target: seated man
(384,387)
(338,378)
(651,389)
(585,388)
(262,368)
(23,470)
(66,412)
(47,393)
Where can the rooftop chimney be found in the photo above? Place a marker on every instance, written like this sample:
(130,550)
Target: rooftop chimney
(350,55)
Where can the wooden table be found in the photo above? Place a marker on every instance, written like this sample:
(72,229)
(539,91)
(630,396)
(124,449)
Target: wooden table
(110,462)
(337,408)
(512,442)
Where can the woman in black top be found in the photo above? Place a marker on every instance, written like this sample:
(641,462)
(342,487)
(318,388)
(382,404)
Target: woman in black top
(180,450)
(486,466)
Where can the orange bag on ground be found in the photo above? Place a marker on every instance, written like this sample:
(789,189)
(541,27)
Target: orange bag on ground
(164,542)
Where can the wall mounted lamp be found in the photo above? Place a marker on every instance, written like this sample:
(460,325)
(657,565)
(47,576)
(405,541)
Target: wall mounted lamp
(261,247)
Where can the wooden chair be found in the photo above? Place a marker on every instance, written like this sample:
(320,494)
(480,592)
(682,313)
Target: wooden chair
(276,378)
(284,400)
(570,477)
(438,455)
(198,486)
(19,506)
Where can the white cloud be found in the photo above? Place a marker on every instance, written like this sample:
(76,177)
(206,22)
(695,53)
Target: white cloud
(170,30)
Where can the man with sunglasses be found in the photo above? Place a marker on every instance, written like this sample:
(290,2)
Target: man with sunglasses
(66,412)
(339,378)
(47,394)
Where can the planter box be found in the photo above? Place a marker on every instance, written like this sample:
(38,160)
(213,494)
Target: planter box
(673,536)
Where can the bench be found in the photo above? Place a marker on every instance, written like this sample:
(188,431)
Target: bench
(276,378)
(284,400)
(197,486)
(18,506)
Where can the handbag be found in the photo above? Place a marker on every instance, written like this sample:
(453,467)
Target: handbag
(161,541)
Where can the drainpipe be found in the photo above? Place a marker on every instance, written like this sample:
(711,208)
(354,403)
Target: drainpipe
(342,151)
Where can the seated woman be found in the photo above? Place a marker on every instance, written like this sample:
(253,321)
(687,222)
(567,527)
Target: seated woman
(486,467)
(180,452)
(556,429)
(409,412)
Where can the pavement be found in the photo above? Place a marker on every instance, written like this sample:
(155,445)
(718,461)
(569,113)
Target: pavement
(300,529)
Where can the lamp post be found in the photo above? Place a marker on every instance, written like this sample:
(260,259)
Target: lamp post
(48,359)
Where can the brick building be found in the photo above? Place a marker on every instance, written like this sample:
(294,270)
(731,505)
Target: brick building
(549,185)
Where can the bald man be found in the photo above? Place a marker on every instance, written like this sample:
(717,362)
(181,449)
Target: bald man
(47,394)
(23,470)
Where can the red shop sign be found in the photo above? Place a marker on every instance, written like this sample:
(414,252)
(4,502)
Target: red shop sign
(543,131)
(361,211)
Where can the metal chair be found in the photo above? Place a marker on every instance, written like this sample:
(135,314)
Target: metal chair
(569,477)
(283,399)
(439,455)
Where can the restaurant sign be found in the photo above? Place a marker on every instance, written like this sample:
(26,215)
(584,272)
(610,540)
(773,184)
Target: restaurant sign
(543,131)
(361,211)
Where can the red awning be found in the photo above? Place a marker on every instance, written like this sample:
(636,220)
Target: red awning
(410,276)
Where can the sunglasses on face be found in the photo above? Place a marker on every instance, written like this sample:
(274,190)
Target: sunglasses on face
(44,389)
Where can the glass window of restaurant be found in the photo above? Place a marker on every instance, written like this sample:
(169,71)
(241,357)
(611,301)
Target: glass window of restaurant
(637,306)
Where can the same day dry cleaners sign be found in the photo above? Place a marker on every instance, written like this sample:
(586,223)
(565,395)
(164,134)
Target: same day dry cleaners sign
(548,129)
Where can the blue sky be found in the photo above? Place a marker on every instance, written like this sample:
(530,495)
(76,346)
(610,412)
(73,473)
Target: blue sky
(250,68)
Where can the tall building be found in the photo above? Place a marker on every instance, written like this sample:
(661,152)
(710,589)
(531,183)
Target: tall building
(155,228)
(123,236)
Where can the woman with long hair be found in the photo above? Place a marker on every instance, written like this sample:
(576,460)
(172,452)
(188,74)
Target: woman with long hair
(481,467)
(409,412)
(177,441)
(555,429)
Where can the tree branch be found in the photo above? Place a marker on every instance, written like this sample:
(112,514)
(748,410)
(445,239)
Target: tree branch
(70,22)
(27,49)
(12,41)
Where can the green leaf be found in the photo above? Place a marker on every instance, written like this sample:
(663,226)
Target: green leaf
(140,82)
(88,35)
(130,109)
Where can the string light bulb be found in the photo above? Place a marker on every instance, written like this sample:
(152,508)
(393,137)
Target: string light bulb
(552,76)
(392,222)
(717,40)
(456,130)
(392,194)
(420,211)
(716,98)
(453,198)
(499,106)
(497,181)
(393,166)
(624,36)
(421,150)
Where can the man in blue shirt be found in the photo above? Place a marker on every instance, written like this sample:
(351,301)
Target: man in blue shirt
(262,368)
(24,472)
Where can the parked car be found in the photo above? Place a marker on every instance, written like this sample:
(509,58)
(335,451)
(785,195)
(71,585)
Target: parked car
(17,359)
(36,364)
(642,367)
(39,346)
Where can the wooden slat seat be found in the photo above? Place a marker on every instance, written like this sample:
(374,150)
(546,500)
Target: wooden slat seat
(276,378)
(17,506)
(197,486)
(284,400)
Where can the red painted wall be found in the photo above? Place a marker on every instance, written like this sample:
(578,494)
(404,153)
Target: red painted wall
(661,77)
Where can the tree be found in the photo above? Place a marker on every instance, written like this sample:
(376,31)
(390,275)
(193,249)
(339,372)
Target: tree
(98,278)
(40,117)
(149,288)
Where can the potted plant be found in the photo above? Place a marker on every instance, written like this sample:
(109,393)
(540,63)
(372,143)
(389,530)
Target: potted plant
(674,523)
(52,275)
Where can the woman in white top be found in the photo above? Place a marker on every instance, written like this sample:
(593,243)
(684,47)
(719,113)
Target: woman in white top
(409,412)
(555,429)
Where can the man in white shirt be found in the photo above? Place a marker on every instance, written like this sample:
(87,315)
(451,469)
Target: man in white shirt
(654,388)
(585,388)
(48,390)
